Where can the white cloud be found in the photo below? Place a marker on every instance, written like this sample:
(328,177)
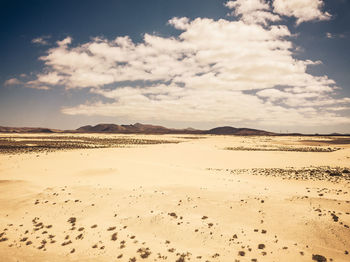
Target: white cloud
(302,10)
(252,11)
(12,81)
(43,40)
(179,23)
(223,71)
(65,41)
(30,84)
(51,78)
(303,99)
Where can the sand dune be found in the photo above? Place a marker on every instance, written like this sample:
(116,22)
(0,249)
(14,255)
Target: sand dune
(189,200)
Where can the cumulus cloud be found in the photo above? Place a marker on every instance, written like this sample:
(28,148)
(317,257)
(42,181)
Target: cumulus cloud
(65,41)
(179,23)
(241,71)
(51,78)
(306,98)
(302,10)
(12,81)
(29,84)
(43,40)
(252,11)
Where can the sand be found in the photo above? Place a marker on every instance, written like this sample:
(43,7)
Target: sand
(203,198)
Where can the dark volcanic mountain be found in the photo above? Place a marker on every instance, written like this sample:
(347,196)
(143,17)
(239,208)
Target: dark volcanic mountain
(151,129)
(229,130)
(4,129)
(111,128)
(134,129)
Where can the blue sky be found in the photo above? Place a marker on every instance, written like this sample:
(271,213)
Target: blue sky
(204,63)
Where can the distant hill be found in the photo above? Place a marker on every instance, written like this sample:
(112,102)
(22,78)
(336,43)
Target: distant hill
(138,129)
(4,129)
(229,130)
(154,129)
(151,129)
(134,129)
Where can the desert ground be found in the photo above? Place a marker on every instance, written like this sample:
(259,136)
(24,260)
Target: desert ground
(94,197)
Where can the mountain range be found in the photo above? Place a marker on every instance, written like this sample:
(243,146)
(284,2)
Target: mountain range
(155,129)
(139,129)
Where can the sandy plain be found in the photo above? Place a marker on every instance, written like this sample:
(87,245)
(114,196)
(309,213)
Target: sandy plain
(178,198)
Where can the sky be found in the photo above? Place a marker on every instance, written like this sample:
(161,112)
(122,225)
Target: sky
(278,65)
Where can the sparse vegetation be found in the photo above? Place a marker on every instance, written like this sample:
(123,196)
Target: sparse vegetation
(42,144)
(284,148)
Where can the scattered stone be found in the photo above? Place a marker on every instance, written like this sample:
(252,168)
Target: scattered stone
(319,258)
(114,237)
(144,252)
(335,217)
(335,173)
(172,214)
(72,220)
(261,246)
(66,243)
